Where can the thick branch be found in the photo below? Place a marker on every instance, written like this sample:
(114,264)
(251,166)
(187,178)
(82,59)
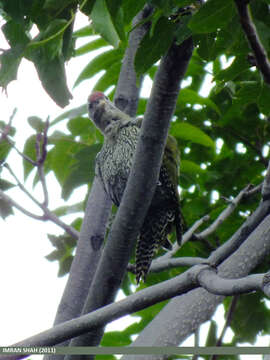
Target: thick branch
(166,264)
(213,283)
(183,314)
(198,275)
(141,183)
(126,95)
(94,225)
(266,184)
(253,39)
(87,255)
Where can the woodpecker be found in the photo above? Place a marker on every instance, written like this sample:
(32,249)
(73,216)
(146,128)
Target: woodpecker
(113,164)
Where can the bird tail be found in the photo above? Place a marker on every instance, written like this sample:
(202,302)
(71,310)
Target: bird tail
(153,234)
(178,222)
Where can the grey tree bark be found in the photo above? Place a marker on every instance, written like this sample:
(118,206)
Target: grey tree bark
(185,313)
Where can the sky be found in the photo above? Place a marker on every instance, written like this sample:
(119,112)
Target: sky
(30,288)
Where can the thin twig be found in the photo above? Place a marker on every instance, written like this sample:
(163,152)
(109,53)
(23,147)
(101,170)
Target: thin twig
(186,237)
(12,144)
(254,190)
(48,215)
(135,302)
(41,152)
(262,61)
(224,215)
(227,323)
(164,262)
(21,186)
(11,202)
(196,342)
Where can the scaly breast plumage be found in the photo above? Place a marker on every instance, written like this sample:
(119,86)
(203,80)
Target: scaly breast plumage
(115,161)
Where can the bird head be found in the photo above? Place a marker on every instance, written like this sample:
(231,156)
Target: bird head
(97,102)
(105,115)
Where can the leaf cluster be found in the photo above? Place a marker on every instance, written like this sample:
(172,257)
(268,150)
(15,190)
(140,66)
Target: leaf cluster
(222,131)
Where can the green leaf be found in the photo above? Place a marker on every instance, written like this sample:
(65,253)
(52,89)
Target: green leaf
(183,32)
(238,65)
(82,171)
(117,17)
(53,78)
(76,112)
(206,46)
(69,209)
(36,123)
(5,148)
(6,128)
(10,61)
(15,34)
(30,151)
(5,209)
(250,318)
(61,158)
(56,5)
(213,15)
(92,45)
(264,100)
(64,245)
(131,8)
(79,126)
(102,23)
(5,185)
(192,133)
(188,166)
(85,31)
(115,338)
(109,78)
(46,53)
(100,62)
(212,334)
(153,47)
(188,96)
(65,265)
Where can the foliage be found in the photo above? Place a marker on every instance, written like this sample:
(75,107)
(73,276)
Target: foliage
(222,131)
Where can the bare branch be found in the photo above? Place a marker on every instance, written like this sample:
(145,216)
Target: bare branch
(48,215)
(254,190)
(127,89)
(165,262)
(198,275)
(140,186)
(11,202)
(253,39)
(12,143)
(266,184)
(227,323)
(224,214)
(213,283)
(169,263)
(21,186)
(186,237)
(183,314)
(41,151)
